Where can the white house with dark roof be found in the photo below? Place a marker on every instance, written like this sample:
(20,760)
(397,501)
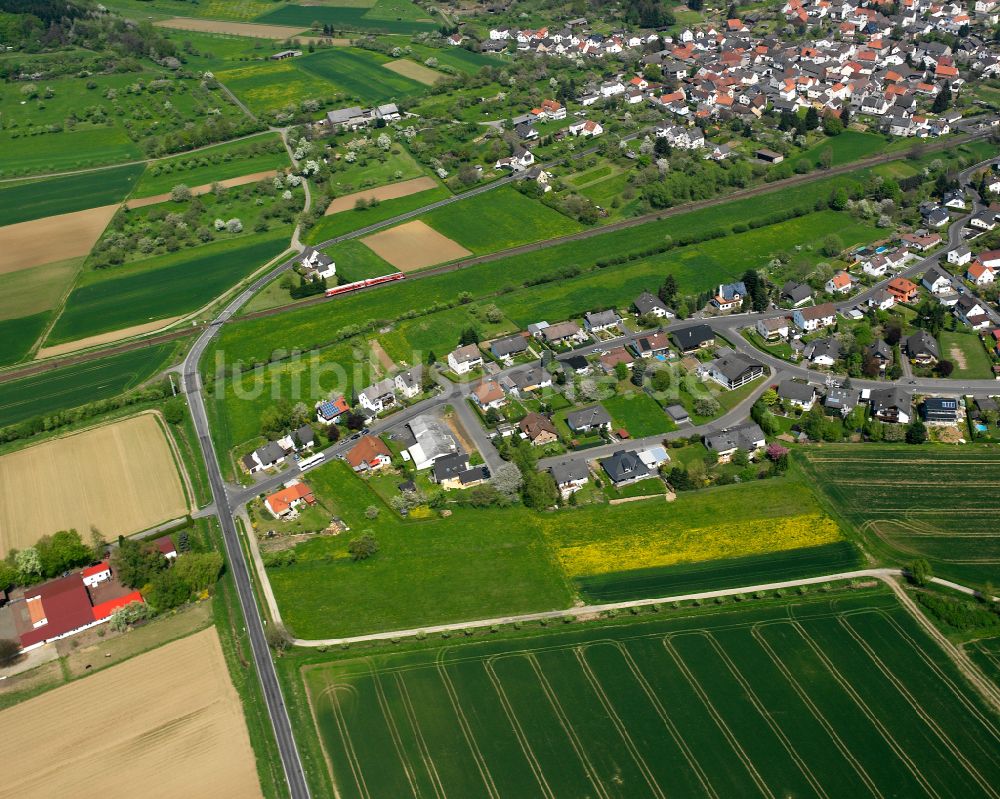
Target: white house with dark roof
(464,359)
(378,396)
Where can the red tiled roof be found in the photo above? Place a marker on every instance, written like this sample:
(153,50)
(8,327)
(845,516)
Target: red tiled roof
(280,501)
(90,571)
(165,545)
(367,451)
(105,609)
(67,608)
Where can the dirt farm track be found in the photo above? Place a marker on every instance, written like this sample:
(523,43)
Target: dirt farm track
(167,724)
(119,477)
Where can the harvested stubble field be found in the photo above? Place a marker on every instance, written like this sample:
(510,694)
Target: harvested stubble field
(120,477)
(414,71)
(391,192)
(414,245)
(912,502)
(52,238)
(169,723)
(774,700)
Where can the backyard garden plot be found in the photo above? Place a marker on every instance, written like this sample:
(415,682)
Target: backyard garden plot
(170,721)
(911,502)
(499,219)
(23,202)
(414,245)
(846,698)
(121,478)
(965,350)
(172,285)
(79,384)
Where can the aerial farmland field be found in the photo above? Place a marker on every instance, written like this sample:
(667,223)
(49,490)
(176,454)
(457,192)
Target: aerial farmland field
(22,202)
(171,712)
(782,699)
(911,502)
(121,478)
(78,384)
(164,287)
(385,16)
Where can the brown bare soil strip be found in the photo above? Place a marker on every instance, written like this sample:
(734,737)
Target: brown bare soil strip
(388,364)
(53,238)
(250,29)
(169,721)
(414,71)
(957,356)
(120,477)
(413,246)
(391,192)
(204,189)
(105,338)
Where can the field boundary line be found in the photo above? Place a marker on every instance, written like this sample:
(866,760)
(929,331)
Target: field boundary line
(425,752)
(761,708)
(616,720)
(928,719)
(319,734)
(390,721)
(515,724)
(815,711)
(565,723)
(945,678)
(966,667)
(900,751)
(466,727)
(727,733)
(657,705)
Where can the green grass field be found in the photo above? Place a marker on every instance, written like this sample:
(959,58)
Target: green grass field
(498,220)
(526,561)
(26,201)
(269,86)
(237,10)
(964,349)
(779,699)
(65,151)
(638,413)
(355,261)
(395,16)
(330,227)
(79,384)
(18,335)
(31,291)
(910,502)
(848,146)
(217,163)
(359,74)
(715,574)
(472,564)
(169,285)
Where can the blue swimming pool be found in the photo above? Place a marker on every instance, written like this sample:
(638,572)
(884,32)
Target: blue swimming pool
(981,428)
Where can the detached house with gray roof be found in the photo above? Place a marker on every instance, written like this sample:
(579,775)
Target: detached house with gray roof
(601,320)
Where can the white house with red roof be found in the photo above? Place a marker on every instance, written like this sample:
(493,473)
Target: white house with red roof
(284,504)
(93,575)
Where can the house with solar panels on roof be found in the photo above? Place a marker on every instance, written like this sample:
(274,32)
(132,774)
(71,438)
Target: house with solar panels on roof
(329,411)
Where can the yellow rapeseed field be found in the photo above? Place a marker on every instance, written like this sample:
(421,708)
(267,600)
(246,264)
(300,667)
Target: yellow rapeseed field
(657,545)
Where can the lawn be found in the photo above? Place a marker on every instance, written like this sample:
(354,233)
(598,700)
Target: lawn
(398,17)
(848,146)
(784,698)
(498,220)
(471,564)
(330,227)
(70,386)
(965,350)
(908,502)
(166,286)
(638,413)
(25,201)
(260,154)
